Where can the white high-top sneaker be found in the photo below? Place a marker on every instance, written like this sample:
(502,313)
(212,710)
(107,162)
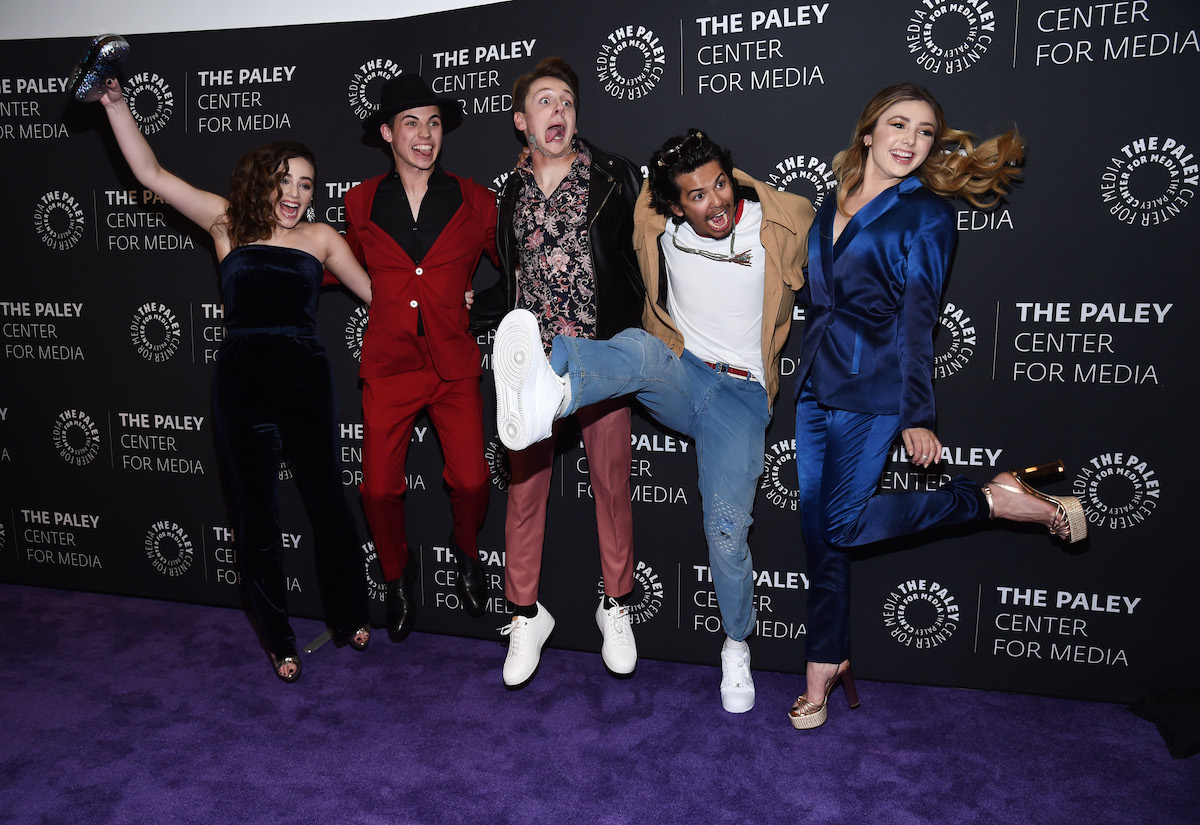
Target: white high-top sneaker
(737,685)
(529,394)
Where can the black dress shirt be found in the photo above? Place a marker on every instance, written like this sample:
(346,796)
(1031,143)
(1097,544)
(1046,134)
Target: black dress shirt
(392,213)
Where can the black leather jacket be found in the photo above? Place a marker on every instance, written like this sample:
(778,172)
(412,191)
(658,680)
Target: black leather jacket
(620,293)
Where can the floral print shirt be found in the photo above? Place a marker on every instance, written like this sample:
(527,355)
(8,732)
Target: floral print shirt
(556,282)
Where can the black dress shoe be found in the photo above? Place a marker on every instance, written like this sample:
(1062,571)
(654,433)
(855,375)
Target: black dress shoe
(398,606)
(472,583)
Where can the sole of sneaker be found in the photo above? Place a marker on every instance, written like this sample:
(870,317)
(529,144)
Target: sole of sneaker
(737,703)
(517,343)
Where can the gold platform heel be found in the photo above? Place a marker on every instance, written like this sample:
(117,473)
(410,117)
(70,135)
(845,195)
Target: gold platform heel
(806,715)
(1070,521)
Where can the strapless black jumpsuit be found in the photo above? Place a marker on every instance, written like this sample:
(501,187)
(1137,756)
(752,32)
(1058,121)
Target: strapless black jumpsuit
(273,398)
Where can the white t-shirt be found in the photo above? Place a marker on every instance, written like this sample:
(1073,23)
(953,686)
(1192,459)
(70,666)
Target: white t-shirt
(718,305)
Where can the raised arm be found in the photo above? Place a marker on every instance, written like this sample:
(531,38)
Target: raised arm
(202,208)
(340,261)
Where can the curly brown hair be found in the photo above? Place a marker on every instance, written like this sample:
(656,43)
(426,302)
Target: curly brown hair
(254,189)
(955,165)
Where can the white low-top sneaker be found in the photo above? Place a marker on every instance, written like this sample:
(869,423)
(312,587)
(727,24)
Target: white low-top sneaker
(528,392)
(737,685)
(525,639)
(619,650)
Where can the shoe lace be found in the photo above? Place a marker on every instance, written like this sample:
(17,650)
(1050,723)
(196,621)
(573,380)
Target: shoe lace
(617,618)
(514,630)
(735,667)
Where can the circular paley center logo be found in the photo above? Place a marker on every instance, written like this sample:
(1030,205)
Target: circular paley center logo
(286,470)
(1118,490)
(631,62)
(921,614)
(376,586)
(647,597)
(367,84)
(498,463)
(950,36)
(76,437)
(356,328)
(498,183)
(779,479)
(808,176)
(58,220)
(169,549)
(155,331)
(955,348)
(151,101)
(1149,181)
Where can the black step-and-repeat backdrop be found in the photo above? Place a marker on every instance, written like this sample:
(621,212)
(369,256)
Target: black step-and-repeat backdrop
(1064,332)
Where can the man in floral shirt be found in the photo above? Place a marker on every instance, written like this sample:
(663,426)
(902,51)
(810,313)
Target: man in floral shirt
(722,256)
(564,236)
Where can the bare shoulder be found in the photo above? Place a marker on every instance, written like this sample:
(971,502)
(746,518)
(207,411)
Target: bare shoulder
(322,238)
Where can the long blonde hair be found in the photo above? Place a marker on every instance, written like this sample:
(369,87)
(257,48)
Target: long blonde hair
(955,165)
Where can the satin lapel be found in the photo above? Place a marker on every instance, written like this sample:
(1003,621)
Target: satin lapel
(386,241)
(863,217)
(820,270)
(466,212)
(448,234)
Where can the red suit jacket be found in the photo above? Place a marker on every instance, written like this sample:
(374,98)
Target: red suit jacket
(399,288)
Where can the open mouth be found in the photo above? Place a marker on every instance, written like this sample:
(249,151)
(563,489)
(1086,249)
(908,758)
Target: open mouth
(555,134)
(718,222)
(289,209)
(902,156)
(423,150)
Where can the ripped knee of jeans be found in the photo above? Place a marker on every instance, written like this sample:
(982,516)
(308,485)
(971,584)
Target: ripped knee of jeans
(726,526)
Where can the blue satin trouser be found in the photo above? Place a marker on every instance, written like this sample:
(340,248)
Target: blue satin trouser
(840,456)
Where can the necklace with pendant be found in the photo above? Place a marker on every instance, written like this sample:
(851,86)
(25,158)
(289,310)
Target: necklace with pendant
(739,258)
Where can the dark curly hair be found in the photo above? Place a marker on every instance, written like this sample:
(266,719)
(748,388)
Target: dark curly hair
(680,155)
(254,189)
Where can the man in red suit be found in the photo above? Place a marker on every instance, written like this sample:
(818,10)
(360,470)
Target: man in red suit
(420,233)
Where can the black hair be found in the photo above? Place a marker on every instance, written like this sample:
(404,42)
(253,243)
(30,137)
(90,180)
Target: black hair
(680,155)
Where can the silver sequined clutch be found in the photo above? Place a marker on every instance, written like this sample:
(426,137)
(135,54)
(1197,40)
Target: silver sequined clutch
(102,61)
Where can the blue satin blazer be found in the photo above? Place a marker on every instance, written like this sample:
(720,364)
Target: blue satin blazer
(873,302)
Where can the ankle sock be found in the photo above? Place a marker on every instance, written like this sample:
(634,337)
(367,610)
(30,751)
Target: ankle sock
(528,611)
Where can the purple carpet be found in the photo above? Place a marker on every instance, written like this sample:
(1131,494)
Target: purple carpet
(122,710)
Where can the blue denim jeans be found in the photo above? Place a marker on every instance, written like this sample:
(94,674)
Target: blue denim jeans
(725,416)
(840,456)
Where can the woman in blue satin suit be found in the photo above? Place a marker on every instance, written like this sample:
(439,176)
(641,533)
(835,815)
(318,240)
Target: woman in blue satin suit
(878,258)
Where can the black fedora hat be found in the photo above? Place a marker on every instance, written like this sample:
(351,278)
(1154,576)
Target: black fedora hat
(410,91)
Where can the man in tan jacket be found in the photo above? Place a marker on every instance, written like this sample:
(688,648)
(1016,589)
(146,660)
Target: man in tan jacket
(722,256)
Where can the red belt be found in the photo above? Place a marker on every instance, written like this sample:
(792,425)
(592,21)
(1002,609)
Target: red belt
(736,372)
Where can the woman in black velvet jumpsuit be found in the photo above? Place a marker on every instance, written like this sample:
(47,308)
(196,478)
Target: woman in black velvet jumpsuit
(272,387)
